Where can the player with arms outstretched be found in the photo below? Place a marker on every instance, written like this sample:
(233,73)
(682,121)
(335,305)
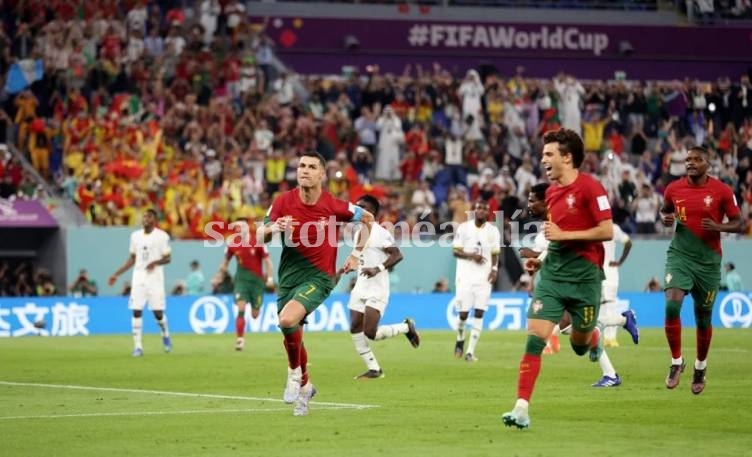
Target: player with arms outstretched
(254,269)
(570,277)
(149,250)
(308,216)
(697,204)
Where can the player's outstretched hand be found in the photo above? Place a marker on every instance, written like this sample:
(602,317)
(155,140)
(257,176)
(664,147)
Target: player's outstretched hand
(351,264)
(112,280)
(668,219)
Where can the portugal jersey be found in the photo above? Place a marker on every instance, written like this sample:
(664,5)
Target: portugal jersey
(311,250)
(580,205)
(249,259)
(691,205)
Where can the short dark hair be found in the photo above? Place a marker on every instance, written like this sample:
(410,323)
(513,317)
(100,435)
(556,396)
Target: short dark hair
(315,155)
(539,190)
(153,212)
(731,266)
(701,150)
(371,200)
(570,143)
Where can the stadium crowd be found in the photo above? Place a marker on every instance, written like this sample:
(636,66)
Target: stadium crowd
(157,104)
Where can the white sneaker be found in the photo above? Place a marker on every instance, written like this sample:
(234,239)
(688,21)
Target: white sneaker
(292,388)
(518,417)
(301,403)
(239,343)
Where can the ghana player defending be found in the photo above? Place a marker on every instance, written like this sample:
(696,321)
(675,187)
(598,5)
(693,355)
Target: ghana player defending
(579,220)
(697,204)
(149,250)
(476,245)
(309,218)
(253,264)
(370,296)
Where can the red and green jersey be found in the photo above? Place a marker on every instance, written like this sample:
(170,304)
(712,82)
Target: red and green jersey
(580,205)
(249,258)
(692,204)
(315,234)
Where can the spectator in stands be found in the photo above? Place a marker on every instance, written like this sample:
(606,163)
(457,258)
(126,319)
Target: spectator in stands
(653,285)
(83,286)
(732,281)
(194,283)
(645,209)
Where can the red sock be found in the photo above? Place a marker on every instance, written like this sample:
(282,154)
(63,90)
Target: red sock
(595,337)
(529,369)
(673,335)
(293,343)
(704,335)
(240,326)
(303,362)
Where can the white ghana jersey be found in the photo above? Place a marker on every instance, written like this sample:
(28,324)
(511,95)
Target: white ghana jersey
(148,247)
(612,273)
(484,240)
(374,255)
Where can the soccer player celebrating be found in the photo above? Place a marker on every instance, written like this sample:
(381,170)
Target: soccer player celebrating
(253,265)
(308,216)
(477,244)
(698,204)
(149,250)
(579,220)
(369,297)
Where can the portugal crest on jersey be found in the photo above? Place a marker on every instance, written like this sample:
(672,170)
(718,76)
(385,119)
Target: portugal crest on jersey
(570,201)
(708,201)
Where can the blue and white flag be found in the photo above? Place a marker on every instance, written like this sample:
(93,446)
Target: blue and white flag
(22,74)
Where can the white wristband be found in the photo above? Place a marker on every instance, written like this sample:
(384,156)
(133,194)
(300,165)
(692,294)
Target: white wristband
(356,253)
(494,268)
(381,267)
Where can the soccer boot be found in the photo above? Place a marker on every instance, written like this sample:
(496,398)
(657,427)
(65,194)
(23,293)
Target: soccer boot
(608,381)
(292,387)
(518,417)
(239,343)
(138,352)
(166,344)
(674,373)
(470,358)
(371,374)
(459,349)
(301,403)
(631,325)
(412,334)
(698,381)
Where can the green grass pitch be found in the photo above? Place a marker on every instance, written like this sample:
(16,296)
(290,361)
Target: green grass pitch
(86,396)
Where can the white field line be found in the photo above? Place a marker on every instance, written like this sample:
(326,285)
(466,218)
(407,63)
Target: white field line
(145,413)
(328,405)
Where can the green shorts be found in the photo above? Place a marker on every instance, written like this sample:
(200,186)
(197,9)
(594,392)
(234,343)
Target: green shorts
(702,281)
(310,294)
(581,299)
(249,289)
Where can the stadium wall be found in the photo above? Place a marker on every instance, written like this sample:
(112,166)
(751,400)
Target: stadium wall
(67,316)
(102,250)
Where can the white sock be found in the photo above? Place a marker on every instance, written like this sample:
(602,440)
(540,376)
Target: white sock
(522,404)
(701,364)
(606,367)
(364,350)
(475,329)
(557,330)
(163,325)
(566,330)
(138,330)
(461,330)
(612,322)
(388,331)
(678,361)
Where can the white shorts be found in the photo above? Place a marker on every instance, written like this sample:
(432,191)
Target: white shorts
(141,294)
(608,292)
(472,296)
(359,301)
